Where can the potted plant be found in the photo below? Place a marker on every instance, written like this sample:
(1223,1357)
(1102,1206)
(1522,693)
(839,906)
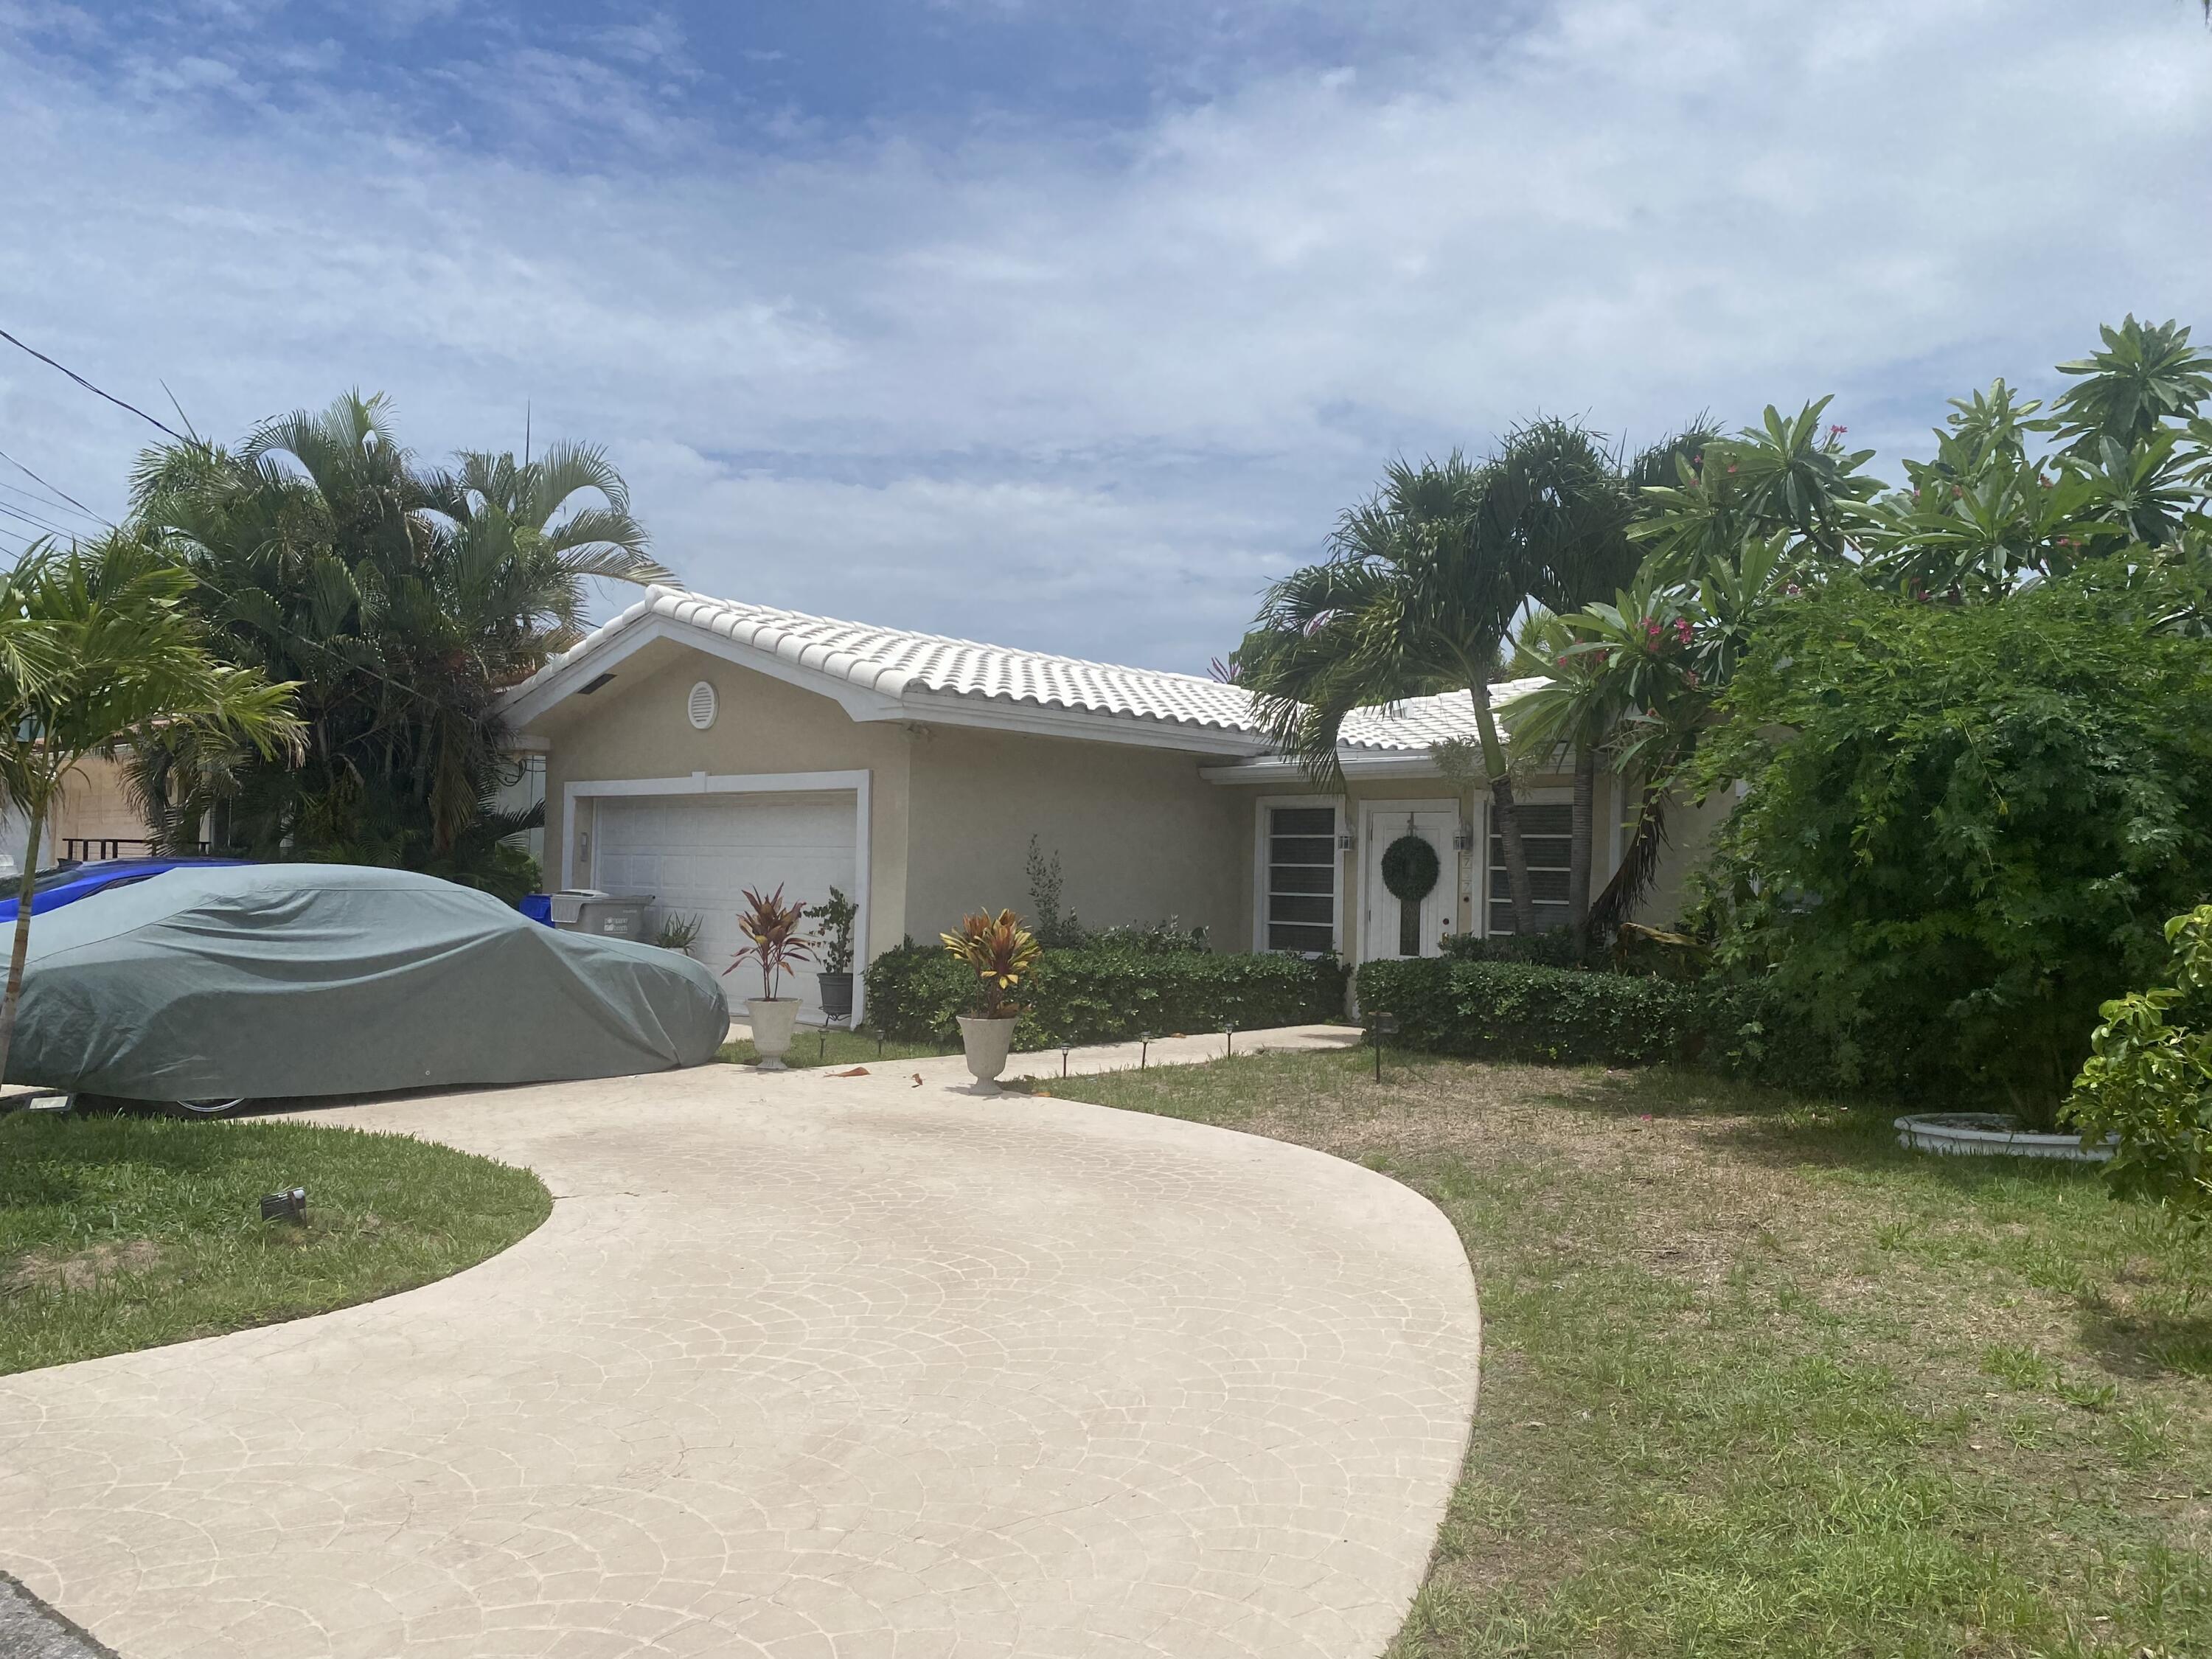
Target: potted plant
(837,916)
(999,950)
(773,927)
(679,933)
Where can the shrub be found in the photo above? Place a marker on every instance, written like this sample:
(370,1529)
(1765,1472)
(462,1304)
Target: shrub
(916,993)
(1557,947)
(1962,824)
(2148,1079)
(1524,1011)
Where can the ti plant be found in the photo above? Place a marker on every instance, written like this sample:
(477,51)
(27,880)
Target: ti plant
(999,951)
(772,927)
(837,915)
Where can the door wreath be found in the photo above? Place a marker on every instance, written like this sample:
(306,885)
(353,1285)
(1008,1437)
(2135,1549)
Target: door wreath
(1410,868)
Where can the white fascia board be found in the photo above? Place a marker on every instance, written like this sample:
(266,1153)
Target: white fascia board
(1274,769)
(859,701)
(1001,714)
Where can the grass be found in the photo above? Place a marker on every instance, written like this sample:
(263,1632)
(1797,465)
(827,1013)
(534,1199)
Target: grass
(814,1046)
(1758,1382)
(124,1232)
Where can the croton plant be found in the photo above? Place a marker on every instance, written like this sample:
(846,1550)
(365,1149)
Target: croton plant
(1000,951)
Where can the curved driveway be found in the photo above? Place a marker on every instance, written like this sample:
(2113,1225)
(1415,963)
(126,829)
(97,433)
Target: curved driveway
(805,1367)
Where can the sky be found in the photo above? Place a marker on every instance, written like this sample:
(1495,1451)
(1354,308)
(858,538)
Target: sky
(1068,326)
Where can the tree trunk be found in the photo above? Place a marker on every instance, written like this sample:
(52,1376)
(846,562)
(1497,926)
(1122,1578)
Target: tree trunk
(23,895)
(1578,856)
(1503,811)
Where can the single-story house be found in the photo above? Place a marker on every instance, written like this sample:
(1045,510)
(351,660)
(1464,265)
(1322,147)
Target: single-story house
(693,747)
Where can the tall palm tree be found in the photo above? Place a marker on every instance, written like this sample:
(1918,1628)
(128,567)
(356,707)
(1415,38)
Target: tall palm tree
(539,500)
(1583,498)
(1420,588)
(99,649)
(402,601)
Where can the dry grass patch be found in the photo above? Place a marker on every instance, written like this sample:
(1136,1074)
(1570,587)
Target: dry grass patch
(1757,1381)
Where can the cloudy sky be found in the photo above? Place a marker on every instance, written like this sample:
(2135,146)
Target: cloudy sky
(1062,324)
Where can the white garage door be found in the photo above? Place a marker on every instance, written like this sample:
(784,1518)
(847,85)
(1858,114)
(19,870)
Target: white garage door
(698,853)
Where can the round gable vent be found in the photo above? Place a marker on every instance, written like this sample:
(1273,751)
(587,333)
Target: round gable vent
(701,706)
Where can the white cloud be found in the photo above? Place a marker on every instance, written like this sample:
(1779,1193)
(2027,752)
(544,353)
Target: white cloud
(1090,391)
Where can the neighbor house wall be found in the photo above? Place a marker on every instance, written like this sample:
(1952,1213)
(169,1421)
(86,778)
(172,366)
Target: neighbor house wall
(640,729)
(1140,835)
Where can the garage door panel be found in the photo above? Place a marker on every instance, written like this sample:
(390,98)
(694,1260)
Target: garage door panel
(698,853)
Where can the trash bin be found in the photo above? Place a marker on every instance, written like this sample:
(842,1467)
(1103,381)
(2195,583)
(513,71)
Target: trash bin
(587,910)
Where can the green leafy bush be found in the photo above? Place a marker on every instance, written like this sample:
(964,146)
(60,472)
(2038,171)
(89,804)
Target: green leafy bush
(916,993)
(1556,947)
(1962,825)
(2149,1078)
(1524,1011)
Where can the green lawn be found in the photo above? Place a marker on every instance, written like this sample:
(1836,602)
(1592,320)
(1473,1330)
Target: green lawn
(1757,1383)
(121,1232)
(815,1047)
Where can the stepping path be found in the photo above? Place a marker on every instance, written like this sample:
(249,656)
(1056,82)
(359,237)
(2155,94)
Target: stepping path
(806,1367)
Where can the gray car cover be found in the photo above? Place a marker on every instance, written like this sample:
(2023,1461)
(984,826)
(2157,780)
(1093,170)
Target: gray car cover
(318,978)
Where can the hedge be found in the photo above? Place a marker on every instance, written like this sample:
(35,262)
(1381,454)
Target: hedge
(916,993)
(1519,1010)
(1526,1012)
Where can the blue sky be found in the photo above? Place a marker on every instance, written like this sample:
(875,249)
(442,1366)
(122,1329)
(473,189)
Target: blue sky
(1058,324)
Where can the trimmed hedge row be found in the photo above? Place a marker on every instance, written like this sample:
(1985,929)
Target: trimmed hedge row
(1519,1010)
(916,993)
(1524,1012)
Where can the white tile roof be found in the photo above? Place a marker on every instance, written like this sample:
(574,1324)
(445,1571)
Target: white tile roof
(894,662)
(1419,721)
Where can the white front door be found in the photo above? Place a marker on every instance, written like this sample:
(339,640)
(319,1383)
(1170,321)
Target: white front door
(1407,928)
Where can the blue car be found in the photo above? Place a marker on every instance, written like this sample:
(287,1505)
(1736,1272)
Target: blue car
(60,887)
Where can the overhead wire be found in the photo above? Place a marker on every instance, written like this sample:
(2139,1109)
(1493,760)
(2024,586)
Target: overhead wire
(89,386)
(54,488)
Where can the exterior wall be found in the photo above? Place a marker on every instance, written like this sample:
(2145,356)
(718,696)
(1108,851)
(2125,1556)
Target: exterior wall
(1690,828)
(1140,835)
(641,730)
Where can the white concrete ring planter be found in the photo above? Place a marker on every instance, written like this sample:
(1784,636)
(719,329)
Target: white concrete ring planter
(1990,1133)
(986,1043)
(774,1020)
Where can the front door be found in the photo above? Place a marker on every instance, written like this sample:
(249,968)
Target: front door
(1396,927)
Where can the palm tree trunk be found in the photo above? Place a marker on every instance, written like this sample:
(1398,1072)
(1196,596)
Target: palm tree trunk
(23,895)
(1579,826)
(1502,810)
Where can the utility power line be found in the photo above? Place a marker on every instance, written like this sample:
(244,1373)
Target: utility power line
(89,386)
(53,488)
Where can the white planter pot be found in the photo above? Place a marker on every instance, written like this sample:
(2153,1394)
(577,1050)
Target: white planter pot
(986,1042)
(1990,1132)
(774,1019)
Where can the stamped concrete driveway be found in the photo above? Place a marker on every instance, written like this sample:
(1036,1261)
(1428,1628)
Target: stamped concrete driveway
(805,1367)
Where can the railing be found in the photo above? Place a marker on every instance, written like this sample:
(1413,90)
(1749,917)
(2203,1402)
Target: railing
(88,849)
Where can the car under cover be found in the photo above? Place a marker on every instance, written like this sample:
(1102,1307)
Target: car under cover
(268,981)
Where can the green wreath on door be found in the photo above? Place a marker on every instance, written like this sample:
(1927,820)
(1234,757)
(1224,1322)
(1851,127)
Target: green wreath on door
(1411,868)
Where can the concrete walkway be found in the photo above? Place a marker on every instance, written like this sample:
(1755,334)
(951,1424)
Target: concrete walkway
(800,1366)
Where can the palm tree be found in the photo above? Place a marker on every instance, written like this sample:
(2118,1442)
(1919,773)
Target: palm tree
(1420,588)
(538,500)
(97,650)
(1584,498)
(402,602)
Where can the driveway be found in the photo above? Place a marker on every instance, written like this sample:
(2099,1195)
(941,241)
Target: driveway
(799,1366)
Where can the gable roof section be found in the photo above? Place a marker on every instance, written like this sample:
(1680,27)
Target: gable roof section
(888,673)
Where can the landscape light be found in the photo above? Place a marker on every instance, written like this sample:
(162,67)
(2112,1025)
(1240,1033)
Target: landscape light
(1380,1026)
(1064,1047)
(285,1206)
(1144,1047)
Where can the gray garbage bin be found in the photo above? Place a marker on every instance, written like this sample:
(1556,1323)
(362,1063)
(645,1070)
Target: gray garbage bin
(587,910)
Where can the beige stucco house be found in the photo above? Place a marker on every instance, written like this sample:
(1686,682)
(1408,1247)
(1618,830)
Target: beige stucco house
(694,747)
